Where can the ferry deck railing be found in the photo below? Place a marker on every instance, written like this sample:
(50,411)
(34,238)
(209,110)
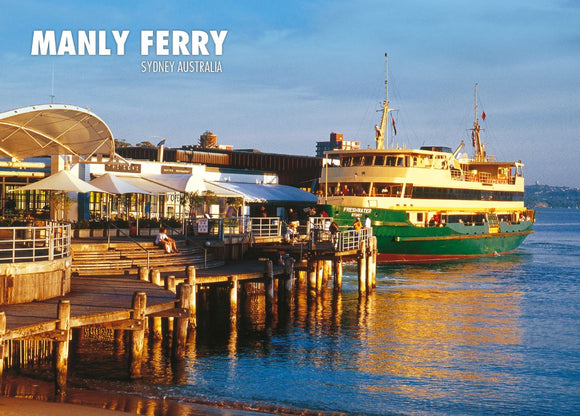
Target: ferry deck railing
(35,243)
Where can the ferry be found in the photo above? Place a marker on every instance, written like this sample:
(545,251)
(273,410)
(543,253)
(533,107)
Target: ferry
(429,204)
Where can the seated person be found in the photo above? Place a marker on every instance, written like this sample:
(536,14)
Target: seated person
(165,242)
(290,233)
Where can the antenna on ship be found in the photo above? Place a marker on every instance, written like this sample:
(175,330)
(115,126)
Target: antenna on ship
(382,135)
(479,154)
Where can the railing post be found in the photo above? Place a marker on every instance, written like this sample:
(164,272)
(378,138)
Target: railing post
(51,243)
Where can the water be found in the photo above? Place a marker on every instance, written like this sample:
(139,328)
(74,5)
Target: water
(493,336)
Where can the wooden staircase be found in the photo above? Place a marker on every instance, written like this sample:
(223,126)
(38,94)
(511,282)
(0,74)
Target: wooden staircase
(89,259)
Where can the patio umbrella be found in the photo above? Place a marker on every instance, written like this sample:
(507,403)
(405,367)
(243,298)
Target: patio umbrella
(114,184)
(63,181)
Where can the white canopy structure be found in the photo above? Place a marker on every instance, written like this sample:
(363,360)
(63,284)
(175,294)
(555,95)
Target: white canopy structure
(53,129)
(63,181)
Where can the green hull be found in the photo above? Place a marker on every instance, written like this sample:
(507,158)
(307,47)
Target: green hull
(398,240)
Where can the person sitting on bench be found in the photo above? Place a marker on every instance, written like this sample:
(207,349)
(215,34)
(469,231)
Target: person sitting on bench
(165,242)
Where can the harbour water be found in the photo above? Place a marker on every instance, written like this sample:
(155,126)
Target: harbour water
(498,335)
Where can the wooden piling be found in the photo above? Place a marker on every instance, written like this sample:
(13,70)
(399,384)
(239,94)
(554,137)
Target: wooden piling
(182,322)
(62,347)
(156,277)
(362,281)
(2,342)
(269,287)
(312,273)
(319,276)
(369,266)
(327,271)
(191,280)
(301,277)
(286,283)
(170,283)
(233,286)
(143,274)
(137,334)
(338,273)
(374,262)
(119,341)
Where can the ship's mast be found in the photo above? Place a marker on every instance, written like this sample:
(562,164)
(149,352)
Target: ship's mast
(479,154)
(382,134)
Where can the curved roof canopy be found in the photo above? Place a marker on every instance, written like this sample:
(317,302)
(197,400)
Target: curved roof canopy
(53,129)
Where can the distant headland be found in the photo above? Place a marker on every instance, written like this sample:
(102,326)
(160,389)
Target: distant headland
(547,196)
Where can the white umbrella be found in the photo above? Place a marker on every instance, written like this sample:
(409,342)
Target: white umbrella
(63,181)
(116,185)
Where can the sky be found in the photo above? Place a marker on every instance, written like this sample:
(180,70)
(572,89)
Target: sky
(293,72)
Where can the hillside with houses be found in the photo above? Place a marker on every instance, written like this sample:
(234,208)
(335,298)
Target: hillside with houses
(548,196)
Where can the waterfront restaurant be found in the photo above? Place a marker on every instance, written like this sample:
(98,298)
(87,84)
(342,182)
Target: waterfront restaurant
(39,141)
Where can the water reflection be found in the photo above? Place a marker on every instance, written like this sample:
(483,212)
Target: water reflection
(438,327)
(442,332)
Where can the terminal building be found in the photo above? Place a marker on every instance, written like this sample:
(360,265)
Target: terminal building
(156,182)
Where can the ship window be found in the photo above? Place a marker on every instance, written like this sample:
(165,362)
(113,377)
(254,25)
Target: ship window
(419,217)
(346,161)
(368,160)
(379,160)
(356,161)
(388,189)
(391,161)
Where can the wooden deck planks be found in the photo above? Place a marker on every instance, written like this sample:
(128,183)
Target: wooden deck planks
(93,301)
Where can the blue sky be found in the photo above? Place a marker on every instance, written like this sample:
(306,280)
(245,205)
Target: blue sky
(295,71)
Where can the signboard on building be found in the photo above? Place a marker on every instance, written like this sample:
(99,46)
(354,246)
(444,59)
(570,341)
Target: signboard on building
(176,169)
(123,167)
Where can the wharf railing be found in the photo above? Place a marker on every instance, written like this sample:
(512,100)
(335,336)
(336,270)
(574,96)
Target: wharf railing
(349,240)
(266,226)
(34,243)
(218,228)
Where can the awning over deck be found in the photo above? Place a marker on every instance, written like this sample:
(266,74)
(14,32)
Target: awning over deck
(268,193)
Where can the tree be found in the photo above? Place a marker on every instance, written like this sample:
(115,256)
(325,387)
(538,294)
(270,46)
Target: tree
(119,143)
(145,143)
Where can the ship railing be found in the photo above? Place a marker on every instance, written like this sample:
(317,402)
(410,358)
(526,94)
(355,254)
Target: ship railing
(349,240)
(35,243)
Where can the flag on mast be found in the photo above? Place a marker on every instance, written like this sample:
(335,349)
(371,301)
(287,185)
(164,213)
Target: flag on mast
(483,116)
(394,127)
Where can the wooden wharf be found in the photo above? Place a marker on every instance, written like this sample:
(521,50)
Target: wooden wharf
(137,304)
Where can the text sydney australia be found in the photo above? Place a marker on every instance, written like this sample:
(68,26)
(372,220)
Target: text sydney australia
(159,43)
